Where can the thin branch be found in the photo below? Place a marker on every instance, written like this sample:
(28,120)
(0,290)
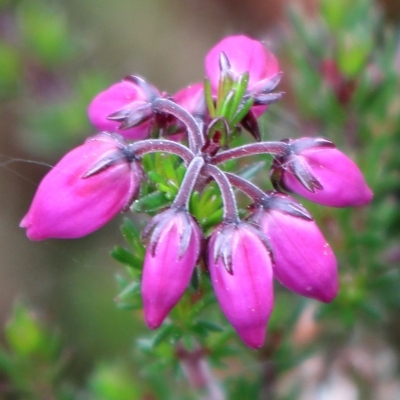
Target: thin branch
(198,372)
(161,145)
(195,136)
(248,188)
(273,148)
(188,183)
(230,207)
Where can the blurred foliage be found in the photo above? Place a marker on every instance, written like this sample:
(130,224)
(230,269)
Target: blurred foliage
(39,60)
(348,59)
(45,33)
(345,80)
(345,86)
(33,361)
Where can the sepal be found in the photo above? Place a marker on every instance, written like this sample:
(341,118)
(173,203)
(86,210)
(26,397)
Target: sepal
(303,260)
(315,169)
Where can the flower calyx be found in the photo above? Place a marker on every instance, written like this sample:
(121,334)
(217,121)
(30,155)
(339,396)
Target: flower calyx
(281,202)
(121,154)
(159,223)
(315,169)
(223,242)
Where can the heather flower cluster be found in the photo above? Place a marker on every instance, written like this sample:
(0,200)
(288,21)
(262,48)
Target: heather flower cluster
(276,237)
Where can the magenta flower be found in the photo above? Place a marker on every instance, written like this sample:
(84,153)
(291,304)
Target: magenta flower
(124,107)
(303,260)
(318,171)
(244,55)
(241,274)
(171,257)
(87,188)
(191,98)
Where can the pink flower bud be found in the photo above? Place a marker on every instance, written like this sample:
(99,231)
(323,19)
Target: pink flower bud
(241,274)
(191,98)
(244,55)
(303,260)
(124,108)
(87,188)
(323,174)
(171,257)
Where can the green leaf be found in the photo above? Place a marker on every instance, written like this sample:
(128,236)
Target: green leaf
(126,257)
(224,88)
(241,113)
(180,172)
(240,90)
(133,236)
(129,298)
(130,290)
(209,98)
(129,231)
(214,219)
(226,106)
(156,177)
(202,304)
(163,333)
(209,326)
(169,168)
(223,351)
(152,202)
(251,170)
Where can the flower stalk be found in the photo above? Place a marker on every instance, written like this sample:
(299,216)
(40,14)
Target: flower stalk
(198,372)
(189,181)
(230,207)
(143,147)
(194,134)
(272,148)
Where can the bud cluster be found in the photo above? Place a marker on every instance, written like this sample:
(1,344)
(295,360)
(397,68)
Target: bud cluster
(276,238)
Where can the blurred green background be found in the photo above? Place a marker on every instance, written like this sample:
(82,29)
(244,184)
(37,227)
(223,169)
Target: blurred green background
(56,55)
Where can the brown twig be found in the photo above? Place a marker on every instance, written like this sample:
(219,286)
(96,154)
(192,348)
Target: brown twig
(198,372)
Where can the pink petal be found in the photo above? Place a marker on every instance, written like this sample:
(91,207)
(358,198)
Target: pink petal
(303,260)
(165,274)
(342,181)
(113,99)
(191,97)
(245,55)
(246,296)
(68,206)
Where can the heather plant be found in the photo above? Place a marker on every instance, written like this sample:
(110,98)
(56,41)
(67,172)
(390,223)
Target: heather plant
(218,231)
(102,177)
